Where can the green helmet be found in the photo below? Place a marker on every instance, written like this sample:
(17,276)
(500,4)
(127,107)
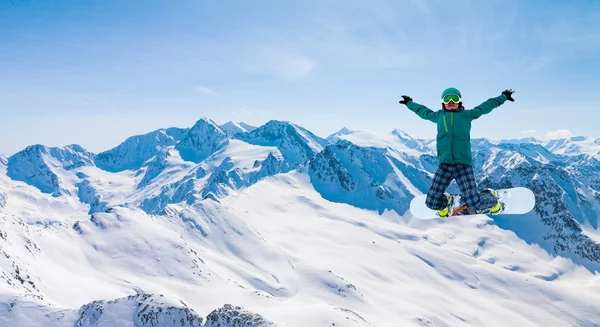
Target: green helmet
(451,90)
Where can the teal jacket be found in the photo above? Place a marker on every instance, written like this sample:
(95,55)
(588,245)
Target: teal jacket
(454,128)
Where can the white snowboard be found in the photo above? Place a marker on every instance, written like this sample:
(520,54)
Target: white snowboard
(517,201)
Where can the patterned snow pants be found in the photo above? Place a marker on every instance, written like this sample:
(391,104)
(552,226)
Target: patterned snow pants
(465,178)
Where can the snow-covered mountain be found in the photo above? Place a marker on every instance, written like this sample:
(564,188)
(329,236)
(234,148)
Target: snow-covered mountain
(231,128)
(238,162)
(370,178)
(411,142)
(156,166)
(333,138)
(278,227)
(235,165)
(48,168)
(203,139)
(574,146)
(566,190)
(397,139)
(522,140)
(134,152)
(3,159)
(295,143)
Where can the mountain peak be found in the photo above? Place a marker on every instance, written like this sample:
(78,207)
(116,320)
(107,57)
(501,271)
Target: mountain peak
(136,150)
(339,135)
(205,120)
(522,140)
(231,124)
(295,143)
(402,134)
(202,140)
(37,165)
(231,128)
(204,123)
(276,124)
(344,131)
(276,130)
(69,157)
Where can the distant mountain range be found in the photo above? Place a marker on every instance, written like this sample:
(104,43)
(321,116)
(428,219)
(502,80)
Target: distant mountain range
(159,213)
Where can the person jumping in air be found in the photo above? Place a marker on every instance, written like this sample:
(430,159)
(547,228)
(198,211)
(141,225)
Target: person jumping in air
(454,151)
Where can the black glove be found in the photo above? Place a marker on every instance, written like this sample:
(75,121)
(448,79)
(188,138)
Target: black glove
(508,94)
(405,99)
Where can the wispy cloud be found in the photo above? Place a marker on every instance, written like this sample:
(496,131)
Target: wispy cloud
(283,63)
(539,62)
(249,111)
(205,90)
(380,52)
(529,131)
(582,35)
(559,134)
(423,6)
(342,44)
(562,39)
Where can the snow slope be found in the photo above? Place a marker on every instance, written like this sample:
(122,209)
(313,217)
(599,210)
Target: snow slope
(284,254)
(452,272)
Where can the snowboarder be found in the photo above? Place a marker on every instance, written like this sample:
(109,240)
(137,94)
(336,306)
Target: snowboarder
(454,151)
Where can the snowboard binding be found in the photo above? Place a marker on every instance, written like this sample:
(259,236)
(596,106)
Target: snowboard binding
(453,210)
(497,208)
(444,213)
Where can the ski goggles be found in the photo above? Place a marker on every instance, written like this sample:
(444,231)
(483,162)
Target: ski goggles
(451,98)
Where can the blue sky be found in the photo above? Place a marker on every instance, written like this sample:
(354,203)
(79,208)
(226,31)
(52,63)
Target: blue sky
(96,72)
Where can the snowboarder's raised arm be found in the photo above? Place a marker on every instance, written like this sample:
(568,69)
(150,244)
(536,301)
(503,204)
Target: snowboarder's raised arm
(490,104)
(419,109)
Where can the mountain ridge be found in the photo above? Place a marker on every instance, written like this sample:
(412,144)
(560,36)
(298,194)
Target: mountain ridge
(260,218)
